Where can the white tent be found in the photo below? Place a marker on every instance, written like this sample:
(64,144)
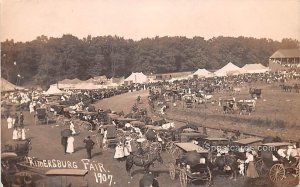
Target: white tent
(202,73)
(53,90)
(7,86)
(229,69)
(255,68)
(138,77)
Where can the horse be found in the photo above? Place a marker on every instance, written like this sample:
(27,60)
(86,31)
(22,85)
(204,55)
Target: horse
(225,163)
(142,160)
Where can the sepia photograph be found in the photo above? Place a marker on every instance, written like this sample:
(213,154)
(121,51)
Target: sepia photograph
(150,93)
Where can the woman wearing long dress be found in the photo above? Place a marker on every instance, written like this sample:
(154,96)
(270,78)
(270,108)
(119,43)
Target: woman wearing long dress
(15,134)
(72,127)
(251,170)
(23,134)
(70,145)
(9,122)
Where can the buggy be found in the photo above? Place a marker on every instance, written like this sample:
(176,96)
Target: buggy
(246,106)
(255,93)
(228,105)
(190,163)
(41,116)
(279,168)
(66,177)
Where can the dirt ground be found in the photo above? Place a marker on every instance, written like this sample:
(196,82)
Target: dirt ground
(47,146)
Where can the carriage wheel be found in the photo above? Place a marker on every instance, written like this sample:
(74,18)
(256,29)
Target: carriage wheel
(259,166)
(172,171)
(207,177)
(183,178)
(170,147)
(145,145)
(134,136)
(120,133)
(155,147)
(277,173)
(297,170)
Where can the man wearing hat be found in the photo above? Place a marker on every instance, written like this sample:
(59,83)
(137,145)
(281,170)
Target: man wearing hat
(89,145)
(148,180)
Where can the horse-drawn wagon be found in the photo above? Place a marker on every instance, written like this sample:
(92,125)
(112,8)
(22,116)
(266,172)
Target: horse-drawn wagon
(66,177)
(273,164)
(246,106)
(190,163)
(228,105)
(255,93)
(41,116)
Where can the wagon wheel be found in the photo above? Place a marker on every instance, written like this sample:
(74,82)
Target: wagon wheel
(259,166)
(183,178)
(155,147)
(277,173)
(206,176)
(297,170)
(145,145)
(172,171)
(120,134)
(134,136)
(170,147)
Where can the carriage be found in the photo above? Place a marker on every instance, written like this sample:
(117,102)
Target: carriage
(11,173)
(246,106)
(246,144)
(255,93)
(275,167)
(228,105)
(41,116)
(190,164)
(215,145)
(20,148)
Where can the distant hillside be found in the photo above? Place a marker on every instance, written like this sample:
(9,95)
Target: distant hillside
(46,60)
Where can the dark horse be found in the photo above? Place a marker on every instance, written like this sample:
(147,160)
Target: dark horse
(225,163)
(145,161)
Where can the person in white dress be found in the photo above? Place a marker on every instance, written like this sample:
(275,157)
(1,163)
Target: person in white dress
(23,134)
(15,134)
(9,122)
(127,147)
(72,127)
(119,153)
(70,145)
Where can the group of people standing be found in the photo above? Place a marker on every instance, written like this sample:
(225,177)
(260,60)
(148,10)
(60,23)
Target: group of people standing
(16,122)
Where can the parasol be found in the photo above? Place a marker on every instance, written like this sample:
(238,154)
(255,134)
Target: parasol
(66,133)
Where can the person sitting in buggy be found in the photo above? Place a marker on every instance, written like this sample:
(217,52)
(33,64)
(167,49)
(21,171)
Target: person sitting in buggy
(292,154)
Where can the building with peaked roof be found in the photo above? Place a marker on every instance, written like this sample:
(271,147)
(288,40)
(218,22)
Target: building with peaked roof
(284,59)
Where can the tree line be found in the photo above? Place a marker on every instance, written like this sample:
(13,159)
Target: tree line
(45,61)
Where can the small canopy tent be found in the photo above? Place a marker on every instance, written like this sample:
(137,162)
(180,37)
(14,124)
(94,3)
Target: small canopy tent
(53,90)
(138,77)
(202,73)
(8,87)
(255,68)
(229,69)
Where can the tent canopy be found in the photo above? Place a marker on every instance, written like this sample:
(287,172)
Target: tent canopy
(255,68)
(8,87)
(138,77)
(53,90)
(202,73)
(229,69)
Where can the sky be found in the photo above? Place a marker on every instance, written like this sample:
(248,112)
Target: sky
(24,20)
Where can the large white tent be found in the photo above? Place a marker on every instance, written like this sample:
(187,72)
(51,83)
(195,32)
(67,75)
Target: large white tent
(138,77)
(7,86)
(53,90)
(202,73)
(229,69)
(255,68)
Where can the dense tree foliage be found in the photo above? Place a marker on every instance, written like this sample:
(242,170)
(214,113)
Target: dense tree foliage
(47,60)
